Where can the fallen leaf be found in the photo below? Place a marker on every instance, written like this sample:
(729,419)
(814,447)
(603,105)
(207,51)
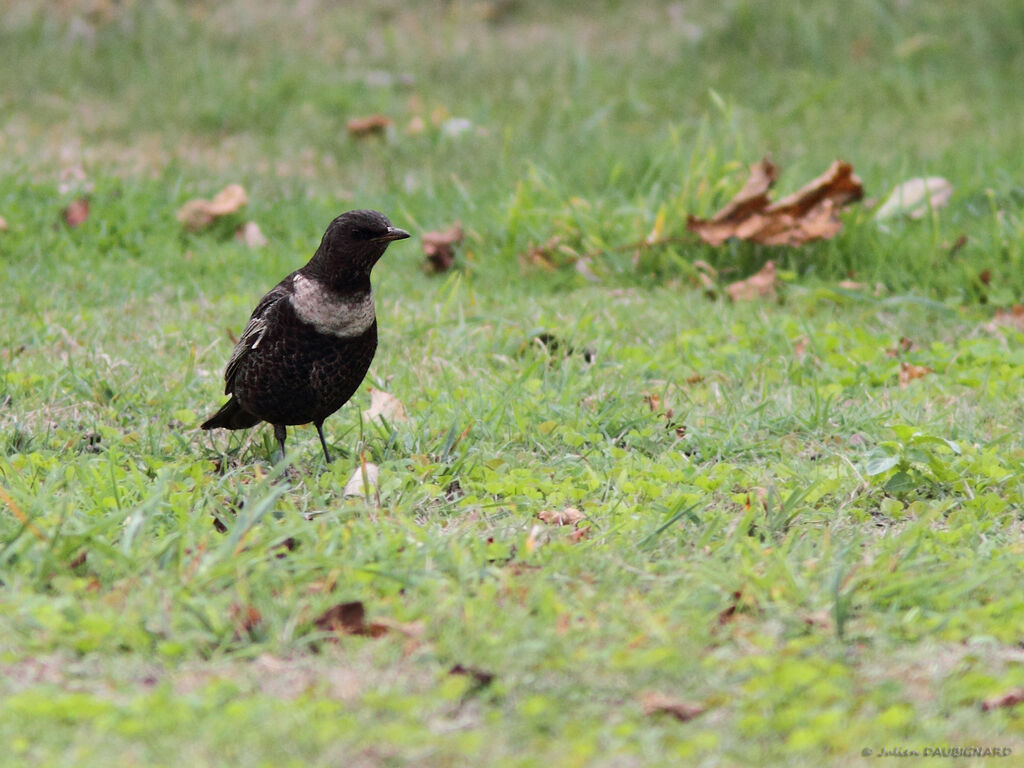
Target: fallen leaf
(348,619)
(1011,699)
(985,276)
(361,127)
(851,285)
(915,198)
(904,345)
(198,214)
(249,234)
(384,407)
(810,213)
(482,678)
(759,285)
(1007,318)
(79,559)
(909,372)
(656,702)
(355,485)
(567,516)
(76,212)
(439,248)
(3,224)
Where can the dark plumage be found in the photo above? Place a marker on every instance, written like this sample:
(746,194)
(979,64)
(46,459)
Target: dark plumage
(309,342)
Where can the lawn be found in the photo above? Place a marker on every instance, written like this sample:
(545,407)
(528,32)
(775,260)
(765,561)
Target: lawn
(793,524)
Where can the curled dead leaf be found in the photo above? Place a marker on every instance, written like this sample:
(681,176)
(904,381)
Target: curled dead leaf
(915,198)
(656,702)
(348,619)
(384,407)
(810,213)
(250,234)
(439,248)
(909,372)
(370,125)
(356,486)
(1011,699)
(567,516)
(76,212)
(198,214)
(760,285)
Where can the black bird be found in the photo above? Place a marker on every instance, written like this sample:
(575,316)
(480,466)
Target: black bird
(309,342)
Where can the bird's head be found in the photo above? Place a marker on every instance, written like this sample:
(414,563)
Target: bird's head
(352,244)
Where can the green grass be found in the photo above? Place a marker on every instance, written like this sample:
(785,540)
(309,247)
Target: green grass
(825,560)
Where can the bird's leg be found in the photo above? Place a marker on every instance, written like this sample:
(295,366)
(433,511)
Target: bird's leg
(280,432)
(320,431)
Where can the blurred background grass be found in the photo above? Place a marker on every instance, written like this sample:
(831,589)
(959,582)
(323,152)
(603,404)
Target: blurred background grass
(541,120)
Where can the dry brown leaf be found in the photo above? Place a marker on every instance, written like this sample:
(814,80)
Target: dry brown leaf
(198,214)
(909,372)
(76,212)
(760,285)
(371,125)
(439,248)
(1011,699)
(250,234)
(851,285)
(349,619)
(355,485)
(656,702)
(3,224)
(567,516)
(810,213)
(384,406)
(1007,318)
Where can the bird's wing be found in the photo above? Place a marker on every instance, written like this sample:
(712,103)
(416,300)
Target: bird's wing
(253,332)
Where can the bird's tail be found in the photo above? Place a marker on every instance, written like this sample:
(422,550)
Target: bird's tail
(231,416)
